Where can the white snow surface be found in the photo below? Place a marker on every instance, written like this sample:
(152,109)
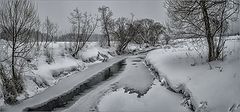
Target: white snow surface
(158,99)
(219,86)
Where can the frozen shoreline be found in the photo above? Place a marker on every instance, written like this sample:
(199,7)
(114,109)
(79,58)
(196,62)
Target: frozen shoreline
(212,87)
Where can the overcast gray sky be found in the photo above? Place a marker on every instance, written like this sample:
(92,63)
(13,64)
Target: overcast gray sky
(59,10)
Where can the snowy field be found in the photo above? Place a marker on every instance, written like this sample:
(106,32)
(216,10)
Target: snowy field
(214,87)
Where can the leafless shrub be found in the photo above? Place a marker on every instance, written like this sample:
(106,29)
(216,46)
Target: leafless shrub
(149,30)
(8,89)
(83,26)
(49,55)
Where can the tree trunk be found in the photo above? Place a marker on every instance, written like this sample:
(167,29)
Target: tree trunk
(109,45)
(106,28)
(108,37)
(13,59)
(211,53)
(13,67)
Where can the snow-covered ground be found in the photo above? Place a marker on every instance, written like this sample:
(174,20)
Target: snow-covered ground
(215,83)
(157,99)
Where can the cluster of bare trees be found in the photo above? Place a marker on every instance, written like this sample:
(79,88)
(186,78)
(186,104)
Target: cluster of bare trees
(149,31)
(204,18)
(144,31)
(125,30)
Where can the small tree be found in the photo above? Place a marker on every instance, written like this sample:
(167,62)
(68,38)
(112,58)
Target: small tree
(83,26)
(120,33)
(106,20)
(17,20)
(50,30)
(124,31)
(156,30)
(168,34)
(37,34)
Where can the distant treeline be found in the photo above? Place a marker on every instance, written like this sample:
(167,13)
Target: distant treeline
(69,37)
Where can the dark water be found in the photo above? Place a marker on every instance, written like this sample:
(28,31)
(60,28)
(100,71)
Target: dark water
(136,60)
(73,95)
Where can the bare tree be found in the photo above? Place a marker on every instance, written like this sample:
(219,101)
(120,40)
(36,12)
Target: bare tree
(50,29)
(83,26)
(149,31)
(156,30)
(37,34)
(124,31)
(17,20)
(106,20)
(120,33)
(168,34)
(204,18)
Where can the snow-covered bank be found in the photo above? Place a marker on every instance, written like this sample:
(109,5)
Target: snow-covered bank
(63,86)
(215,84)
(41,74)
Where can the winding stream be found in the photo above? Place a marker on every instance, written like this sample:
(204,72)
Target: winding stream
(68,98)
